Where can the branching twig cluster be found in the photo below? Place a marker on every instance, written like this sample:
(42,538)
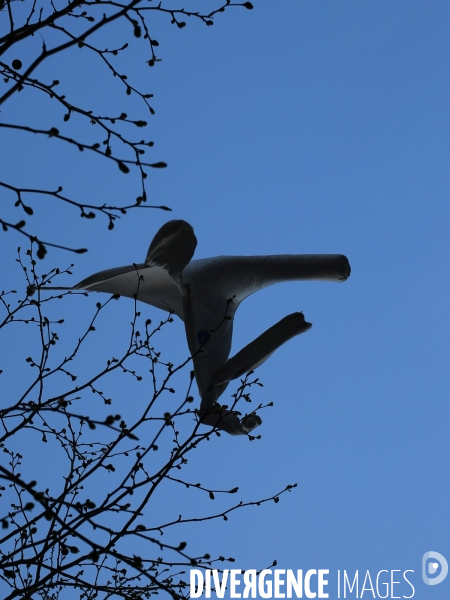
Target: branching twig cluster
(93,527)
(84,25)
(79,482)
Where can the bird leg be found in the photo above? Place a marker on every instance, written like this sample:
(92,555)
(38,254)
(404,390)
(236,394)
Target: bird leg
(228,420)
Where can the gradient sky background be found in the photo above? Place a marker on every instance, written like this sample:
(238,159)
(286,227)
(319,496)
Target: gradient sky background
(298,127)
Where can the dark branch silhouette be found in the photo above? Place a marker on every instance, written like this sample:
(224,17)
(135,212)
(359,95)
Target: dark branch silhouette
(63,26)
(67,531)
(61,529)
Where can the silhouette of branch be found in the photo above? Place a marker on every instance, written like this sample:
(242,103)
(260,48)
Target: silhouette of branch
(76,25)
(70,532)
(42,250)
(86,210)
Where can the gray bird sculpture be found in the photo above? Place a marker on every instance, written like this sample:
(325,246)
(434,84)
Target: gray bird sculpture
(205,295)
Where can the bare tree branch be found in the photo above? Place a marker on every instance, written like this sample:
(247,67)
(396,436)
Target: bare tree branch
(68,532)
(72,25)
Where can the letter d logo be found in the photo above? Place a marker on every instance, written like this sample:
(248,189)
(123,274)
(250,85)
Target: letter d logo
(429,568)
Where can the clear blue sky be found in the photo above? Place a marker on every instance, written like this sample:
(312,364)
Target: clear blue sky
(300,127)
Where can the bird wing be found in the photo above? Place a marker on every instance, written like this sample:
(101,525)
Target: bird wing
(158,280)
(149,283)
(239,276)
(172,247)
(216,286)
(257,352)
